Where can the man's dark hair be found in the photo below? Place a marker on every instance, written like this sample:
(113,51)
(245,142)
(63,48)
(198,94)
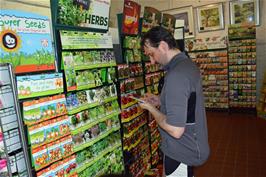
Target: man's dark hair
(157,34)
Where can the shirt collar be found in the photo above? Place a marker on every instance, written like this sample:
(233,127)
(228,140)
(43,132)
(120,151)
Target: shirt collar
(178,57)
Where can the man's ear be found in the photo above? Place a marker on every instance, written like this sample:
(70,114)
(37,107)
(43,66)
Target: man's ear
(164,46)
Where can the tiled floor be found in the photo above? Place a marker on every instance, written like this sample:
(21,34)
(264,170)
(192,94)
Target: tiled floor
(238,146)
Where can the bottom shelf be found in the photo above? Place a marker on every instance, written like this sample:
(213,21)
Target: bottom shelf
(243,110)
(217,109)
(262,115)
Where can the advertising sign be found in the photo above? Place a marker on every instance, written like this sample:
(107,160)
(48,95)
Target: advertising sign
(26,41)
(85,40)
(39,85)
(151,18)
(168,22)
(131,18)
(84,13)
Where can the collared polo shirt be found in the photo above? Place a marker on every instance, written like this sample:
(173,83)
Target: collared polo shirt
(181,80)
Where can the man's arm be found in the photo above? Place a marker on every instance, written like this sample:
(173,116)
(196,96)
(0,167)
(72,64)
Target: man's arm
(160,118)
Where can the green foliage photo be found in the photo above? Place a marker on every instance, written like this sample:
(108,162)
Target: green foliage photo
(70,14)
(40,57)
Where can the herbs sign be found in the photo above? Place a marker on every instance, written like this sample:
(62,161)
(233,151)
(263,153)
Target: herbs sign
(84,13)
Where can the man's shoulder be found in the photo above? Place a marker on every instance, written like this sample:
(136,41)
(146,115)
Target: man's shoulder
(186,66)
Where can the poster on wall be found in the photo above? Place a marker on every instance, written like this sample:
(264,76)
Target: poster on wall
(131,15)
(26,41)
(168,22)
(151,18)
(84,13)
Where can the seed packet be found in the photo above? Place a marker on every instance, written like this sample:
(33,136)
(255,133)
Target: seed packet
(129,57)
(40,157)
(88,57)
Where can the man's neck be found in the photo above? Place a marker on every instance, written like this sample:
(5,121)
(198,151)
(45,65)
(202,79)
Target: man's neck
(172,53)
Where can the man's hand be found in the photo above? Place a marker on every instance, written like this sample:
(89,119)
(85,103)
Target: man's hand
(152,99)
(146,105)
(160,118)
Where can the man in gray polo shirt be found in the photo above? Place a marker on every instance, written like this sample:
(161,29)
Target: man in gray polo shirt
(182,117)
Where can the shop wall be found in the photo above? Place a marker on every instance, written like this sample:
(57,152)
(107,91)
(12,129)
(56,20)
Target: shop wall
(41,7)
(117,7)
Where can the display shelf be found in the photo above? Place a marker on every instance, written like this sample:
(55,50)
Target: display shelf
(65,166)
(129,104)
(53,140)
(208,50)
(261,105)
(137,151)
(155,149)
(86,87)
(155,133)
(52,162)
(132,117)
(106,72)
(105,134)
(240,38)
(90,105)
(120,79)
(43,109)
(136,143)
(40,94)
(71,28)
(134,131)
(152,68)
(92,161)
(213,65)
(154,138)
(242,74)
(94,66)
(132,84)
(155,72)
(87,126)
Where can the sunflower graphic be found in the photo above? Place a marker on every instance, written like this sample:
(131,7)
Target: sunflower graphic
(9,40)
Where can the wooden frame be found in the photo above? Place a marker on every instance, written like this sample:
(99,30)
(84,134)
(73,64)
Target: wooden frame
(243,12)
(186,14)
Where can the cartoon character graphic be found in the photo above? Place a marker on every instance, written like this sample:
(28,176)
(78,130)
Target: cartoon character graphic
(9,41)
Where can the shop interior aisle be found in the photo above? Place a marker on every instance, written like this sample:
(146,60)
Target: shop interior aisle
(238,146)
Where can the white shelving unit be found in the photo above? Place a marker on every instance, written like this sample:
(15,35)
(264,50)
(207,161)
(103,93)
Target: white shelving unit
(13,147)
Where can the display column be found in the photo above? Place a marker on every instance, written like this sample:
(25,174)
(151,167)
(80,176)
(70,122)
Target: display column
(44,115)
(133,118)
(85,52)
(261,108)
(92,104)
(210,55)
(153,74)
(242,67)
